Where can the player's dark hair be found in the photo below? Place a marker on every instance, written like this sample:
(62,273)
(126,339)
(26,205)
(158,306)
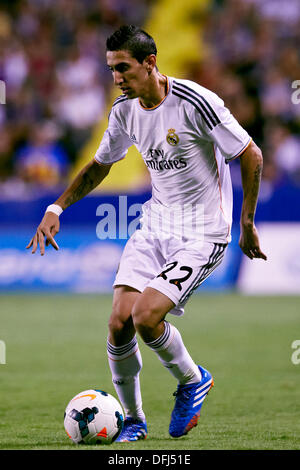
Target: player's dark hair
(134,40)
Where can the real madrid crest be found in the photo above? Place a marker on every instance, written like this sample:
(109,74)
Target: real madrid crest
(172,138)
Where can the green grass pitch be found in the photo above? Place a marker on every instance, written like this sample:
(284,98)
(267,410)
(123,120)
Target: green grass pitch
(56,347)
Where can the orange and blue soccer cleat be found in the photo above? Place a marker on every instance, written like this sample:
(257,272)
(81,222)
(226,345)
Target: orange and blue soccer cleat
(188,403)
(133,430)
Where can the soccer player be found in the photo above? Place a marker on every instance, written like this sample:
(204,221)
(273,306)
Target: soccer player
(186,137)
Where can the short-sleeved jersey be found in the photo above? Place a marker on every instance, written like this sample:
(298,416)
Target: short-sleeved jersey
(185,141)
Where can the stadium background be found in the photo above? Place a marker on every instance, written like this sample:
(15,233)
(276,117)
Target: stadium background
(58,94)
(54,309)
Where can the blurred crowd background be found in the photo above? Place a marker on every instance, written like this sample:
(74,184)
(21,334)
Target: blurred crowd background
(252,62)
(52,60)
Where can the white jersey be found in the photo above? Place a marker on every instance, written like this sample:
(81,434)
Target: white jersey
(185,141)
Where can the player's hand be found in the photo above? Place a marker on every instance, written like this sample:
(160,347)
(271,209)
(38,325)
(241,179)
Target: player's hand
(48,228)
(249,242)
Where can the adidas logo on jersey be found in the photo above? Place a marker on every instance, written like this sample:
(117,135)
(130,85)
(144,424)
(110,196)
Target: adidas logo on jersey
(133,138)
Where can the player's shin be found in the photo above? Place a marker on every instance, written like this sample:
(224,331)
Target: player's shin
(173,354)
(125,363)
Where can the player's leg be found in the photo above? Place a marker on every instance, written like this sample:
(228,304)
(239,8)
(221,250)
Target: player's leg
(124,356)
(125,362)
(165,340)
(140,262)
(177,281)
(120,327)
(162,337)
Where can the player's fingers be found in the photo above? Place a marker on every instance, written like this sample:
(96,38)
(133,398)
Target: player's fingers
(29,244)
(51,240)
(53,243)
(48,242)
(248,253)
(34,243)
(255,252)
(41,242)
(245,249)
(259,254)
(53,233)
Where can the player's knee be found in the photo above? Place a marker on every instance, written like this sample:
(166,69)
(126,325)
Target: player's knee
(120,327)
(144,319)
(115,324)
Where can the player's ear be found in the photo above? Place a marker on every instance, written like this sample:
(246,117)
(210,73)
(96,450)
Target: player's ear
(150,63)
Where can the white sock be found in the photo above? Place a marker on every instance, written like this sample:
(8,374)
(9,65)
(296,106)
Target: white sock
(174,356)
(125,363)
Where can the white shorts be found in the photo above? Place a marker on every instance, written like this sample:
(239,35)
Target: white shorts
(172,266)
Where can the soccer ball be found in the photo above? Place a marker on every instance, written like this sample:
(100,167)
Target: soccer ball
(93,417)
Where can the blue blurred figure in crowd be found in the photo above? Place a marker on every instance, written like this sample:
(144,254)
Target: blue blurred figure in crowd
(42,161)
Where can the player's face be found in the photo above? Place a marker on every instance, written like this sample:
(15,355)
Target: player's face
(128,74)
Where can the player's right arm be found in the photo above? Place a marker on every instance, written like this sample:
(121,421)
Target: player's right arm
(113,148)
(87,180)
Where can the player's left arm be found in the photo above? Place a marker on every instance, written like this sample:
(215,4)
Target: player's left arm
(251,162)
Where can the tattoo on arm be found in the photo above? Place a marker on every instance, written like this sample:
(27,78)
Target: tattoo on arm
(85,186)
(255,189)
(251,216)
